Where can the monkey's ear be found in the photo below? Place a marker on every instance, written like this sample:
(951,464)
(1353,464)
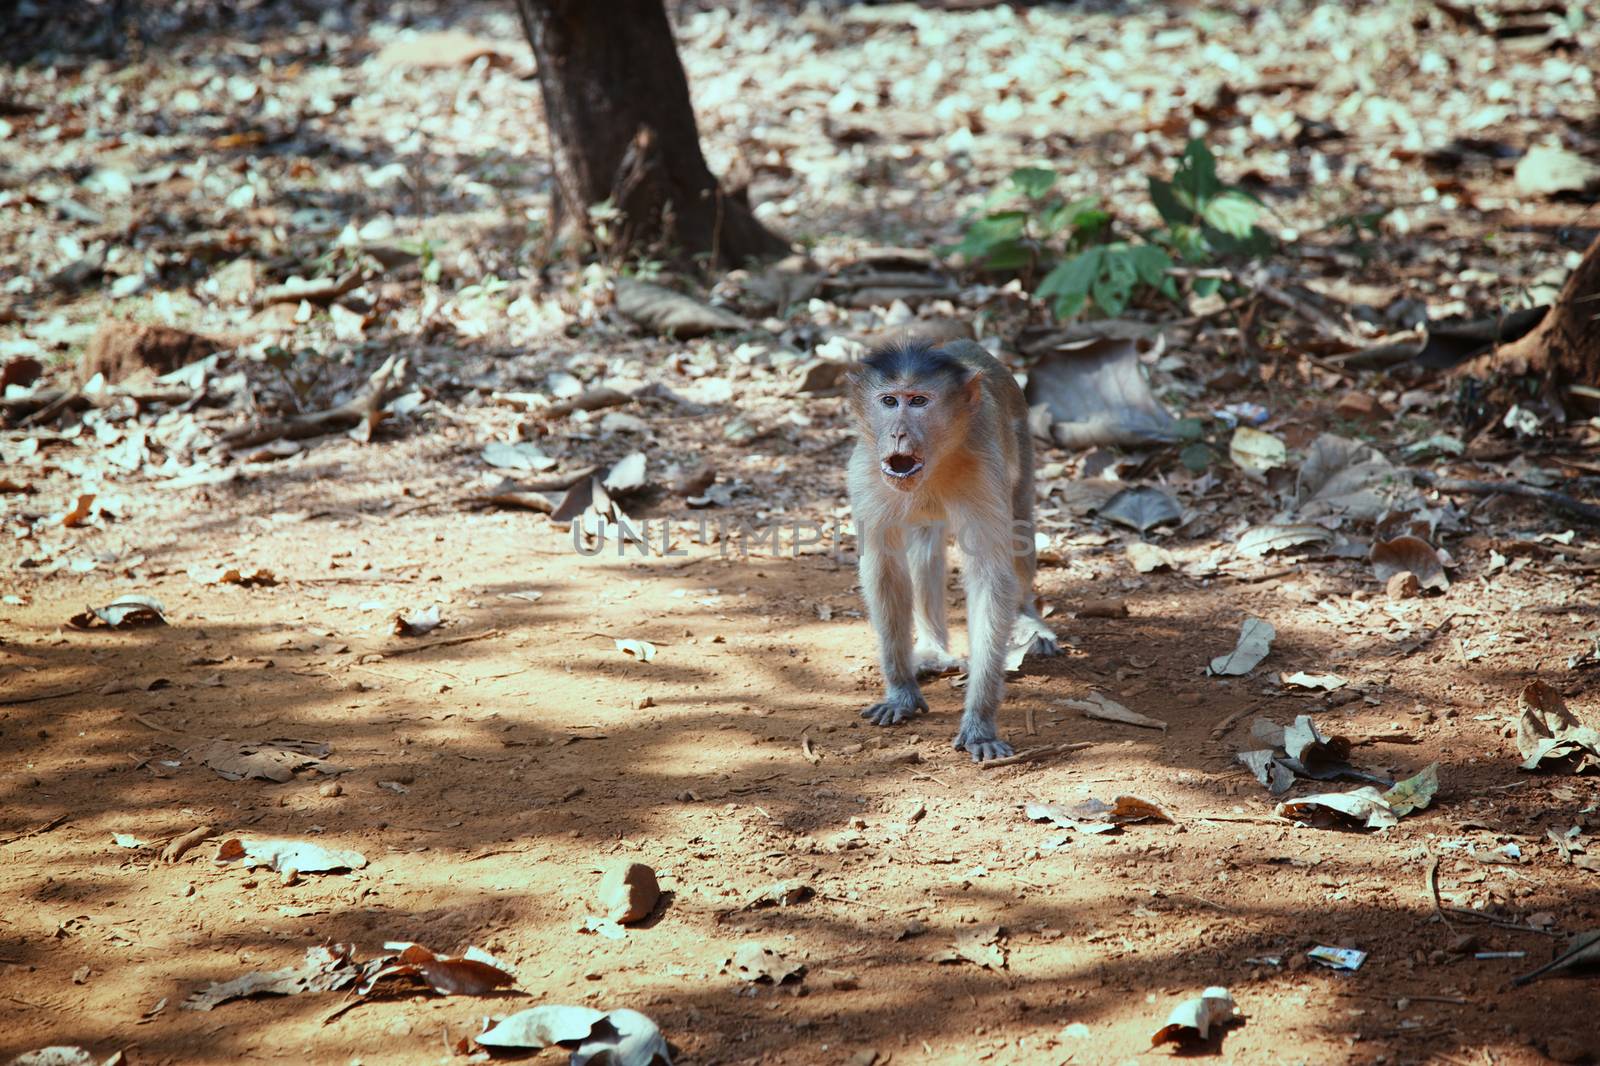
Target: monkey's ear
(972,388)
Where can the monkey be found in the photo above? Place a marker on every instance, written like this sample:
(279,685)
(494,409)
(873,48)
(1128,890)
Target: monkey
(943,444)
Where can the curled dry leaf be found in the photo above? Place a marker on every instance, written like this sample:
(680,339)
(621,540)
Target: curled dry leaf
(233,575)
(1347,477)
(124,613)
(615,1038)
(1100,706)
(977,944)
(1147,558)
(280,855)
(666,311)
(1255,641)
(1195,1019)
(1391,557)
(1262,540)
(417,622)
(1097,394)
(1364,806)
(476,973)
(641,650)
(757,962)
(270,760)
(1415,792)
(626,476)
(520,455)
(1315,682)
(1141,508)
(80,511)
(1551,736)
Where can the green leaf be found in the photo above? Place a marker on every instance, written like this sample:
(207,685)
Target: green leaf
(1033,182)
(1204,287)
(1196,457)
(1150,263)
(1165,197)
(1232,212)
(1196,177)
(1189,429)
(1007,255)
(1068,306)
(985,235)
(1073,277)
(1118,275)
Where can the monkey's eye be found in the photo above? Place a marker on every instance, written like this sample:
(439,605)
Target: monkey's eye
(889,401)
(918,401)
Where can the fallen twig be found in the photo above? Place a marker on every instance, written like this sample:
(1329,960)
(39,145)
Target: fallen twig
(412,649)
(179,846)
(45,828)
(387,382)
(1423,641)
(1034,753)
(1431,879)
(1560,500)
(12,700)
(593,400)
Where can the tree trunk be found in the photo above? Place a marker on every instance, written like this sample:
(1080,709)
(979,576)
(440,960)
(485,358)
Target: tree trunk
(1565,347)
(622,129)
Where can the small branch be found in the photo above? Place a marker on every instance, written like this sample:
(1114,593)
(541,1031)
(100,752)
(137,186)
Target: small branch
(1588,512)
(412,649)
(1034,753)
(45,828)
(387,382)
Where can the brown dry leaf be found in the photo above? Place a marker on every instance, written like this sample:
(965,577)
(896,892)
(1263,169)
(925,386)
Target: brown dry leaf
(978,944)
(669,312)
(1098,705)
(1391,557)
(475,973)
(1550,736)
(1194,1019)
(233,575)
(325,969)
(1147,558)
(272,760)
(1096,393)
(757,962)
(80,511)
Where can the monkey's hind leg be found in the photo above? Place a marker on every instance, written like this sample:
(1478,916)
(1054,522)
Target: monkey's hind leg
(991,608)
(1029,630)
(886,584)
(925,552)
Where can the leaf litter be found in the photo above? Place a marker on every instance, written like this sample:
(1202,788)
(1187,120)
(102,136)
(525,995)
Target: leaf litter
(283,855)
(1102,707)
(1550,736)
(1255,642)
(1194,1020)
(616,1038)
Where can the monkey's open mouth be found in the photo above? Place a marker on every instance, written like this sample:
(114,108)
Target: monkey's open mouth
(901,465)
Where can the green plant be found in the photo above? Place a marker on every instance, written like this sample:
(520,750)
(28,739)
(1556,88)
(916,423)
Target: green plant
(1017,238)
(1204,220)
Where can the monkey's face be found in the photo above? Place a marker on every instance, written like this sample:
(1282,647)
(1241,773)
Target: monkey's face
(913,425)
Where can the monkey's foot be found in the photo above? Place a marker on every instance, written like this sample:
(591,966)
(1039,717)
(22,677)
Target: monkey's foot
(1038,638)
(981,742)
(897,705)
(932,660)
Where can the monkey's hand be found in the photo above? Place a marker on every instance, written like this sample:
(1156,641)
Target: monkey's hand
(981,741)
(898,705)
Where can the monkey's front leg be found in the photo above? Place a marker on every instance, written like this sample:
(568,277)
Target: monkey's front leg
(886,583)
(991,605)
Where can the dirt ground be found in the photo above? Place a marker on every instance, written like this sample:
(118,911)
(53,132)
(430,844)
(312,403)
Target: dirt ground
(490,770)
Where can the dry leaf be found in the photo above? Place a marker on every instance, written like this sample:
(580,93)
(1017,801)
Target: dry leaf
(1550,736)
(1391,557)
(1323,682)
(978,944)
(418,622)
(1255,641)
(272,760)
(1194,1019)
(1098,705)
(1255,451)
(476,973)
(1147,558)
(614,1038)
(325,969)
(280,855)
(124,612)
(641,650)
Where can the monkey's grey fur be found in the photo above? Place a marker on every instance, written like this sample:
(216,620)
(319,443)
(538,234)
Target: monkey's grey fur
(943,447)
